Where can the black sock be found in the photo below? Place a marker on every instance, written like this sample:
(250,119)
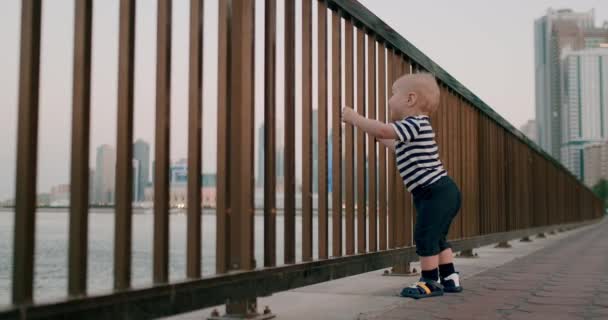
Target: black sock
(431,274)
(446,269)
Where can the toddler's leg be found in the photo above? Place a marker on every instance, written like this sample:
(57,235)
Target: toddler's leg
(449,277)
(429,267)
(446,256)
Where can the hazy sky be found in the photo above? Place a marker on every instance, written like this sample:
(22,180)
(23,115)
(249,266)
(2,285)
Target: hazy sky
(486,45)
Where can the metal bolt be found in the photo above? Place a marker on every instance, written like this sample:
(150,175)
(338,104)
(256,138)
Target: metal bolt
(267,310)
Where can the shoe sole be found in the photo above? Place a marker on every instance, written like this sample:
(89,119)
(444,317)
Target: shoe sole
(422,296)
(452,290)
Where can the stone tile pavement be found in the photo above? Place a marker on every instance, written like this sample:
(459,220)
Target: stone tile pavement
(562,276)
(568,279)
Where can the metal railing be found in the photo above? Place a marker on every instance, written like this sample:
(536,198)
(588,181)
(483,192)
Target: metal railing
(510,187)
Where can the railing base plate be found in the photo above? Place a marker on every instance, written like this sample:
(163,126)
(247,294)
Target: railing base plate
(503,245)
(253,316)
(467,254)
(403,270)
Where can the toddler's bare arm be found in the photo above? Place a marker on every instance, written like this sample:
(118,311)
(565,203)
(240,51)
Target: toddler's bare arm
(389,143)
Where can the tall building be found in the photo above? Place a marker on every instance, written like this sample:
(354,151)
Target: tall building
(595,163)
(136,181)
(92,186)
(105,174)
(530,130)
(141,153)
(279,156)
(585,104)
(557,30)
(178,172)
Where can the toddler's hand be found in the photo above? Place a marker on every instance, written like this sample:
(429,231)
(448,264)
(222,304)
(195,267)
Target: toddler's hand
(348,115)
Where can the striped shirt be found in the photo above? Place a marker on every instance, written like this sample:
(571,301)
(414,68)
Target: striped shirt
(417,152)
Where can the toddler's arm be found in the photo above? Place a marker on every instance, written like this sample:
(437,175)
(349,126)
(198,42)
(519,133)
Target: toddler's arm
(375,128)
(389,143)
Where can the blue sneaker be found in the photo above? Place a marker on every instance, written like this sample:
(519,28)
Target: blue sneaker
(424,288)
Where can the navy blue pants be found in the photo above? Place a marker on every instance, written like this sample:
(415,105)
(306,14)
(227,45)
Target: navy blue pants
(436,206)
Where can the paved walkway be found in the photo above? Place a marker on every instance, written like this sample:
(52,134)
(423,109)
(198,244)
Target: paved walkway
(562,276)
(567,279)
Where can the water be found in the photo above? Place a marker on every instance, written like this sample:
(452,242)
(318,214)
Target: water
(51,251)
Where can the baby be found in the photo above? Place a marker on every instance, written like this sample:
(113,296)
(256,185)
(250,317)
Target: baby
(436,197)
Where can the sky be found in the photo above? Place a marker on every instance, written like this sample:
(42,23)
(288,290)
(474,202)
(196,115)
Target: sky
(486,45)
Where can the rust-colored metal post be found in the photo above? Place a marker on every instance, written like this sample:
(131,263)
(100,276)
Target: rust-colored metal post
(349,185)
(322,127)
(336,83)
(195,108)
(79,174)
(27,152)
(270,229)
(307,158)
(160,272)
(361,156)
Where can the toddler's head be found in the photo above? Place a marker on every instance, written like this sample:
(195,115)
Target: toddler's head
(414,94)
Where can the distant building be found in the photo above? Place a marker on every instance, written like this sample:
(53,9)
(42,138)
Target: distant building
(105,175)
(178,187)
(60,195)
(136,181)
(91,186)
(42,200)
(315,152)
(595,163)
(279,157)
(554,32)
(141,153)
(585,104)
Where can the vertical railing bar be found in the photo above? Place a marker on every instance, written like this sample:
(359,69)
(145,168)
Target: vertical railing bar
(162,148)
(400,190)
(382,150)
(270,231)
(361,159)
(193,245)
(336,82)
(392,180)
(307,130)
(371,143)
(349,139)
(124,155)
(322,127)
(223,160)
(241,135)
(409,211)
(290,173)
(27,153)
(79,174)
